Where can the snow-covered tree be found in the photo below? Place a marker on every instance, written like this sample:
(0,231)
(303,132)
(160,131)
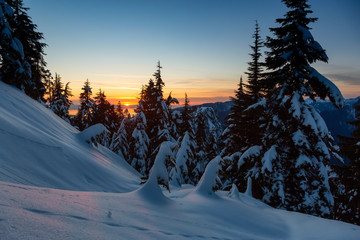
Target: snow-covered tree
(60,98)
(290,169)
(185,171)
(14,69)
(348,200)
(84,117)
(207,132)
(139,145)
(26,31)
(160,126)
(186,117)
(234,136)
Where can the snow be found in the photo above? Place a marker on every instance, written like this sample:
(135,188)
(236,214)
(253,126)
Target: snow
(295,105)
(40,213)
(234,192)
(38,148)
(91,132)
(300,139)
(269,156)
(248,191)
(333,92)
(208,180)
(53,185)
(301,160)
(252,151)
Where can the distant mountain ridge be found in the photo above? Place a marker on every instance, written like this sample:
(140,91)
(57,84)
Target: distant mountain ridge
(336,119)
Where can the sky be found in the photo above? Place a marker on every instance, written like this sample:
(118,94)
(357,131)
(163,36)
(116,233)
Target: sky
(203,45)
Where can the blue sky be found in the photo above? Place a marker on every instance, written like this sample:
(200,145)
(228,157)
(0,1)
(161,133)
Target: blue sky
(203,46)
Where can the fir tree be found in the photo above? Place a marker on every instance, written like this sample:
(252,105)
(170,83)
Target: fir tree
(186,118)
(255,69)
(185,171)
(26,31)
(60,102)
(235,134)
(139,145)
(348,200)
(14,68)
(291,167)
(84,117)
(158,114)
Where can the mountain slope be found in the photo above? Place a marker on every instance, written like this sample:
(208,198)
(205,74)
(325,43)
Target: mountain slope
(40,149)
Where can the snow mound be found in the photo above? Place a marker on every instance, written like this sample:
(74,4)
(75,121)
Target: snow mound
(40,149)
(208,180)
(91,132)
(151,191)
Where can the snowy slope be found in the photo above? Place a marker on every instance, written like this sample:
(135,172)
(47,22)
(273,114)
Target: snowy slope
(40,149)
(40,213)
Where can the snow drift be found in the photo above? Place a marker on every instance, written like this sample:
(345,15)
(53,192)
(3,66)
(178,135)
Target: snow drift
(40,149)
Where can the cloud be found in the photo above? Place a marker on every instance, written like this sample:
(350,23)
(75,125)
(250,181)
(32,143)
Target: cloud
(351,79)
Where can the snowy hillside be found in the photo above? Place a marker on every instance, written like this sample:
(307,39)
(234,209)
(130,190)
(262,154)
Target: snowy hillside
(53,185)
(40,213)
(40,149)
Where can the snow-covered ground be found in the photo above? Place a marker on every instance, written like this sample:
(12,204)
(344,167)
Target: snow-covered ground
(40,149)
(40,213)
(55,185)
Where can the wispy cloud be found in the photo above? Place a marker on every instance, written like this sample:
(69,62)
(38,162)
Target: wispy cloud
(352,79)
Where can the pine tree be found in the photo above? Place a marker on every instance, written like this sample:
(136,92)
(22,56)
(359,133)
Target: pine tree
(291,167)
(84,117)
(26,31)
(14,68)
(348,201)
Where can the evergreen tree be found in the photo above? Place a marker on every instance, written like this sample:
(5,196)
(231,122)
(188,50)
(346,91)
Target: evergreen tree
(185,171)
(14,69)
(255,70)
(158,114)
(348,201)
(101,108)
(26,31)
(139,145)
(120,111)
(84,117)
(235,135)
(60,102)
(186,118)
(291,167)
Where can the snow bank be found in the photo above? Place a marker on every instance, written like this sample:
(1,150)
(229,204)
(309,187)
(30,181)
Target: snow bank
(40,149)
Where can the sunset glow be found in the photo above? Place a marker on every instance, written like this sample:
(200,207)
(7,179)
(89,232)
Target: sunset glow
(203,54)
